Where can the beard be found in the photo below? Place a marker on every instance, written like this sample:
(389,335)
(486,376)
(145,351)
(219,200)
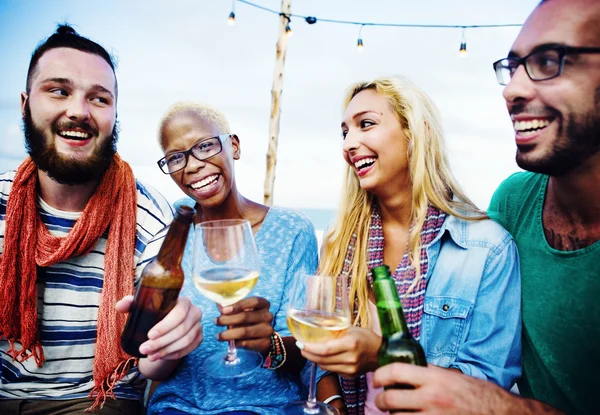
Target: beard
(577,144)
(67,170)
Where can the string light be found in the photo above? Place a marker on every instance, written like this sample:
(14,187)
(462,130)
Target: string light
(231,19)
(360,44)
(462,52)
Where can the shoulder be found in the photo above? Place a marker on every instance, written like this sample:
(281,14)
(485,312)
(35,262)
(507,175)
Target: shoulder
(152,205)
(291,218)
(6,181)
(479,233)
(518,184)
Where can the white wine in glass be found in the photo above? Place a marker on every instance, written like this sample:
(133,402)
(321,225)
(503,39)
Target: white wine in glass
(225,269)
(318,311)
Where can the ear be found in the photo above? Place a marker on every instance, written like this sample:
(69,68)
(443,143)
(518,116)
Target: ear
(23,101)
(235,146)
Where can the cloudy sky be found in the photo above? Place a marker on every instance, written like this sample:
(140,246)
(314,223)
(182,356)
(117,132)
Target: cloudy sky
(173,50)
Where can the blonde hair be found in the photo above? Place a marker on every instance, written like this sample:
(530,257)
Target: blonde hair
(432,183)
(205,112)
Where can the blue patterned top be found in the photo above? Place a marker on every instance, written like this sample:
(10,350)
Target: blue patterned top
(287,245)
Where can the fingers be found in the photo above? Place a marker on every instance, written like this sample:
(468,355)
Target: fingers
(250,303)
(124,304)
(403,373)
(180,330)
(256,331)
(249,317)
(396,400)
(260,345)
(181,347)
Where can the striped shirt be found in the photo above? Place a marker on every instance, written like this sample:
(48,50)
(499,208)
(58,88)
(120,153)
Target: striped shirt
(68,299)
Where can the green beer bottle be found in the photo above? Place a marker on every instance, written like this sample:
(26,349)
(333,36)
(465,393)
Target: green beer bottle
(398,345)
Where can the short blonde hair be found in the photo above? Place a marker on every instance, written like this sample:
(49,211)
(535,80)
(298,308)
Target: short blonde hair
(205,112)
(432,184)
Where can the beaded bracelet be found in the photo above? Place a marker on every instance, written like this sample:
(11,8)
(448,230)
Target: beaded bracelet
(277,354)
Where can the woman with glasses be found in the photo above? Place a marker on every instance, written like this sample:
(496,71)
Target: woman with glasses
(456,271)
(200,151)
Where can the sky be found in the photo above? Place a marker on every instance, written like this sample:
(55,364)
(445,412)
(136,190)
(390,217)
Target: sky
(175,50)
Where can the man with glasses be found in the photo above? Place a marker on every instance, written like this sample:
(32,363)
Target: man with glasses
(552,92)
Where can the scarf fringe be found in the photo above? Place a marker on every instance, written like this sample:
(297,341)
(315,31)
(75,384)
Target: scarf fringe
(104,389)
(37,352)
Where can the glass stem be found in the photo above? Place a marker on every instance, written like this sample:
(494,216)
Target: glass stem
(312,388)
(232,357)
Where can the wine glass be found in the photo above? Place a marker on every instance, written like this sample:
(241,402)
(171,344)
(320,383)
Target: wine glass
(318,311)
(226,267)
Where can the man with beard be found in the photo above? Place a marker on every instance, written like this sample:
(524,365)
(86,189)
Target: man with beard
(76,229)
(552,78)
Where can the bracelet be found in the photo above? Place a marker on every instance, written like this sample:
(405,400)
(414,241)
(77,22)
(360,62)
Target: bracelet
(277,354)
(333,398)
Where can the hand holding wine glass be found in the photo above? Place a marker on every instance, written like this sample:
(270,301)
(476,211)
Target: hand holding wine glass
(318,311)
(226,268)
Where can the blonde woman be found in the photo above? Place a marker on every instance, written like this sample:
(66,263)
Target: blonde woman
(456,271)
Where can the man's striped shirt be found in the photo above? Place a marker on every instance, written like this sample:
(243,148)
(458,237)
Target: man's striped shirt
(68,299)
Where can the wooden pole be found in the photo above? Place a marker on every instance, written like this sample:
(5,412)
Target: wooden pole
(276,92)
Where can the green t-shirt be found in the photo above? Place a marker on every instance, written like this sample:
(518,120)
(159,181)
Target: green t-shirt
(560,299)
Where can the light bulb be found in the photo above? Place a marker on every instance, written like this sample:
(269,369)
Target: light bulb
(359,44)
(231,19)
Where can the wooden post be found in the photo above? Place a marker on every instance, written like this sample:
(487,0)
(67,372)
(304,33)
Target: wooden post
(276,92)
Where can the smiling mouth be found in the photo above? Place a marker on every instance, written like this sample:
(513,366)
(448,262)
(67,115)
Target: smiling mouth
(204,182)
(530,127)
(364,163)
(74,135)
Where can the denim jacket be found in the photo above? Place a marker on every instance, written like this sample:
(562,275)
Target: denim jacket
(472,315)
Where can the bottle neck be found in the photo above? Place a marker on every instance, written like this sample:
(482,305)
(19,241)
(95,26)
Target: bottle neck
(389,308)
(173,247)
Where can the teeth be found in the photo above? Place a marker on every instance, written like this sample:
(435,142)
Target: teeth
(204,181)
(74,134)
(360,163)
(530,125)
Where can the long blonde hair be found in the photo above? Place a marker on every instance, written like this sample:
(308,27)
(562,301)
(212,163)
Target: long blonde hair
(432,183)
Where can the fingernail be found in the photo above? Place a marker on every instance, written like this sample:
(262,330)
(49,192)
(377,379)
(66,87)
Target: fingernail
(152,334)
(300,345)
(144,349)
(227,310)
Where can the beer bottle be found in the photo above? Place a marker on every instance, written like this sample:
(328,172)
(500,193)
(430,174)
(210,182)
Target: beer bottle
(397,345)
(159,285)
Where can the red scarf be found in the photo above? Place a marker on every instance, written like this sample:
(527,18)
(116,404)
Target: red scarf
(28,244)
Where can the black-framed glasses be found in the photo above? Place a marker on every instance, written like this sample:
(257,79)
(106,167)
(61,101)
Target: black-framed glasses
(202,150)
(540,65)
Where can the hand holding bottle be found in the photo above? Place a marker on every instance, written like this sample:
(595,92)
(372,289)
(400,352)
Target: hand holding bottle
(435,390)
(350,355)
(173,337)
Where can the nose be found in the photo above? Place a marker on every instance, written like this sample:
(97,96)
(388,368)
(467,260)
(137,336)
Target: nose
(351,142)
(520,87)
(193,164)
(78,108)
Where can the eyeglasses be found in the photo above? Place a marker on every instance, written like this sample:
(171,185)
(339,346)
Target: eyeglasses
(202,150)
(540,65)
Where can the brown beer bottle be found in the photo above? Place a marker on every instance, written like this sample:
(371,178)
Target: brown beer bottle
(398,345)
(159,285)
